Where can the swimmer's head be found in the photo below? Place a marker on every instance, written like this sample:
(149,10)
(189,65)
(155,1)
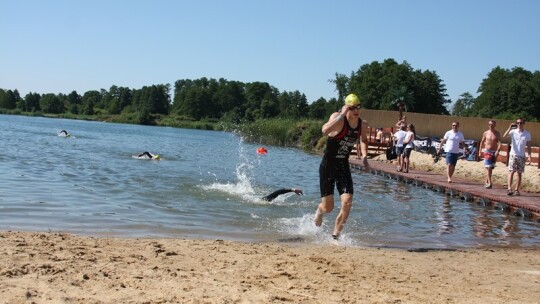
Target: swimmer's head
(352,100)
(157,156)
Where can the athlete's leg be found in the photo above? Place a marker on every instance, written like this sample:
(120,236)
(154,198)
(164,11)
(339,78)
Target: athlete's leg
(341,219)
(326,206)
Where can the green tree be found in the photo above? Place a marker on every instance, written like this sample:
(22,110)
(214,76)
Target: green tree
(73,102)
(342,85)
(50,103)
(89,100)
(403,99)
(152,99)
(462,106)
(319,109)
(196,103)
(256,93)
(229,98)
(382,85)
(9,99)
(32,102)
(508,94)
(429,93)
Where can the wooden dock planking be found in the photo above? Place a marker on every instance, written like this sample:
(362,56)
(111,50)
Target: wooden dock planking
(464,188)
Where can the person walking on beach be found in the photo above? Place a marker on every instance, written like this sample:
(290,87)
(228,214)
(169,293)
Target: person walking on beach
(399,137)
(409,145)
(344,129)
(519,138)
(452,141)
(491,141)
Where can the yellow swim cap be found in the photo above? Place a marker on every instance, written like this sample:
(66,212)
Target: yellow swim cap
(156,156)
(352,100)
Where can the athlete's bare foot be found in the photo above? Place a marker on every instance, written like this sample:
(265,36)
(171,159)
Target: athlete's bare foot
(318,218)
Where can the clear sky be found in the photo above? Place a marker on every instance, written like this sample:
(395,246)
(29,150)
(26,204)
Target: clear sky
(59,46)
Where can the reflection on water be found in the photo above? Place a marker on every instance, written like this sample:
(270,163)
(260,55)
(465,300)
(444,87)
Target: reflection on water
(209,185)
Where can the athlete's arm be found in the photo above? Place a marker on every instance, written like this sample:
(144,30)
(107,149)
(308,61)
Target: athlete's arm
(364,146)
(270,197)
(335,122)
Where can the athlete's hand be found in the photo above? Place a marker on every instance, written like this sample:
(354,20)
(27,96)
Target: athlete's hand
(298,191)
(344,110)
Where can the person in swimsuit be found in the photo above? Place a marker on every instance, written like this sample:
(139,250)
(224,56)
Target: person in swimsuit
(270,197)
(344,130)
(491,141)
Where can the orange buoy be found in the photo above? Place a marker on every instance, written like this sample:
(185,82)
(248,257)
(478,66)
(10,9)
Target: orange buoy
(262,150)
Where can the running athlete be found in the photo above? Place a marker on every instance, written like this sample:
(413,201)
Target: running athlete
(270,197)
(344,129)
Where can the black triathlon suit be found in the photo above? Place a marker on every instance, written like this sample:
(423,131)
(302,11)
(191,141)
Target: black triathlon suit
(270,197)
(334,169)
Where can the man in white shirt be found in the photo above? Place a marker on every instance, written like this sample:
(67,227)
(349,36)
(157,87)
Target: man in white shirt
(452,141)
(519,138)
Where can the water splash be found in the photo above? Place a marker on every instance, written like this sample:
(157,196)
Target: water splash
(243,186)
(304,228)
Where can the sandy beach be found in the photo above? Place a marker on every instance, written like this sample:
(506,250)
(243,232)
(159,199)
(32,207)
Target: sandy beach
(50,267)
(61,268)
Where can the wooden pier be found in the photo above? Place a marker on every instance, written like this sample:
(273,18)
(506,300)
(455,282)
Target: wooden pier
(526,205)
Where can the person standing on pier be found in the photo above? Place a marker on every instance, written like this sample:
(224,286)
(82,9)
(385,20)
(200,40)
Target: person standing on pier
(452,141)
(409,146)
(399,137)
(344,130)
(519,137)
(491,141)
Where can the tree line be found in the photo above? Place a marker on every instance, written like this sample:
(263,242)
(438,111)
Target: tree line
(504,94)
(383,85)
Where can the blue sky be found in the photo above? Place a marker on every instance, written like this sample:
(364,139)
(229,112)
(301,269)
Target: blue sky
(59,46)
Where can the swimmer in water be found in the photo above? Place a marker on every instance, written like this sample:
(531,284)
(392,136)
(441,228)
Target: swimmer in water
(149,155)
(270,197)
(64,132)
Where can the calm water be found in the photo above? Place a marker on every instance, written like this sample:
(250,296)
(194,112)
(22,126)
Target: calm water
(208,185)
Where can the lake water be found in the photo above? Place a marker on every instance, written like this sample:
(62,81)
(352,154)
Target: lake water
(208,185)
